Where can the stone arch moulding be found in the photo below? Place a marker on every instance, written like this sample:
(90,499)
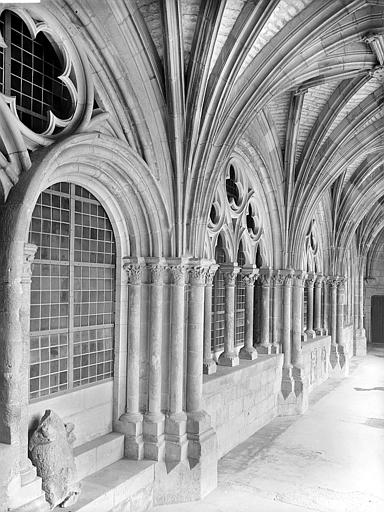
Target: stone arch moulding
(130,196)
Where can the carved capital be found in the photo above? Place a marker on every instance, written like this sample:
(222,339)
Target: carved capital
(319,280)
(134,272)
(157,273)
(29,256)
(277,278)
(211,274)
(287,275)
(249,275)
(197,275)
(376,42)
(341,283)
(311,278)
(230,275)
(332,281)
(178,273)
(299,278)
(265,276)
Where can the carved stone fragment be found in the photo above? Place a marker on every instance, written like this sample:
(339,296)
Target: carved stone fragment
(51,452)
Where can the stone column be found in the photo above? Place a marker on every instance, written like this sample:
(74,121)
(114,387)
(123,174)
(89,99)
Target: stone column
(209,365)
(318,302)
(310,284)
(265,280)
(131,422)
(201,436)
(176,422)
(229,356)
(334,356)
(342,349)
(249,276)
(154,445)
(287,306)
(326,307)
(297,306)
(277,286)
(360,336)
(27,471)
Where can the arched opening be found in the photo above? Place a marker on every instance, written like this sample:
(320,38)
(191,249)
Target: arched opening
(218,300)
(72,312)
(240,300)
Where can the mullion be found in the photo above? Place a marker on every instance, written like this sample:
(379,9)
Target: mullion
(7,54)
(71,283)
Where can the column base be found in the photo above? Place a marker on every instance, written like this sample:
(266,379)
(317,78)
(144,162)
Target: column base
(194,478)
(339,362)
(249,353)
(131,425)
(228,359)
(275,348)
(310,334)
(209,367)
(360,343)
(319,332)
(293,398)
(176,442)
(154,438)
(264,349)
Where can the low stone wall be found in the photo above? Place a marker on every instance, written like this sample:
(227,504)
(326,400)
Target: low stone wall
(316,360)
(90,409)
(242,399)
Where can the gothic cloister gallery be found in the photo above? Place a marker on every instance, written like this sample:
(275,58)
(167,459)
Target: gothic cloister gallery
(191,229)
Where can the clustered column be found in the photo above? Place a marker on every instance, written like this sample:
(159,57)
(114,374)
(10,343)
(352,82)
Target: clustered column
(249,277)
(340,321)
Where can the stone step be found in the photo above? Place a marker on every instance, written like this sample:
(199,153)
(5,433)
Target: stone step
(96,454)
(30,492)
(125,483)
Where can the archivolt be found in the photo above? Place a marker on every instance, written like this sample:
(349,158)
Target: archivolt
(114,174)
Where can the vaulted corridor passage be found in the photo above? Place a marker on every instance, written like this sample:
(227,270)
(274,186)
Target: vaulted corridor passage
(331,459)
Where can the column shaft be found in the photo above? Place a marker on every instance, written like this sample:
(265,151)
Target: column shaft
(297,305)
(287,292)
(265,281)
(310,284)
(209,365)
(248,351)
(317,319)
(229,357)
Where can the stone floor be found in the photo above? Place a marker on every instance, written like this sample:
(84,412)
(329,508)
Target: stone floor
(331,459)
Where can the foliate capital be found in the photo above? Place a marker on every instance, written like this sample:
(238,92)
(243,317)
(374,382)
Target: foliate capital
(287,275)
(178,273)
(332,281)
(211,274)
(157,273)
(197,275)
(29,256)
(277,278)
(299,278)
(230,273)
(311,278)
(265,276)
(319,280)
(135,272)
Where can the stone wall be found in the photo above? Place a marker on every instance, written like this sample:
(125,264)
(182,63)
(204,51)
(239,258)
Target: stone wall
(348,340)
(242,399)
(316,360)
(90,409)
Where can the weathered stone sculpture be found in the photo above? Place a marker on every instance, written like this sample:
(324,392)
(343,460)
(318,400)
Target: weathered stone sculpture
(51,452)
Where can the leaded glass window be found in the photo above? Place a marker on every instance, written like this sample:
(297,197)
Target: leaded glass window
(72,291)
(240,301)
(218,301)
(30,70)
